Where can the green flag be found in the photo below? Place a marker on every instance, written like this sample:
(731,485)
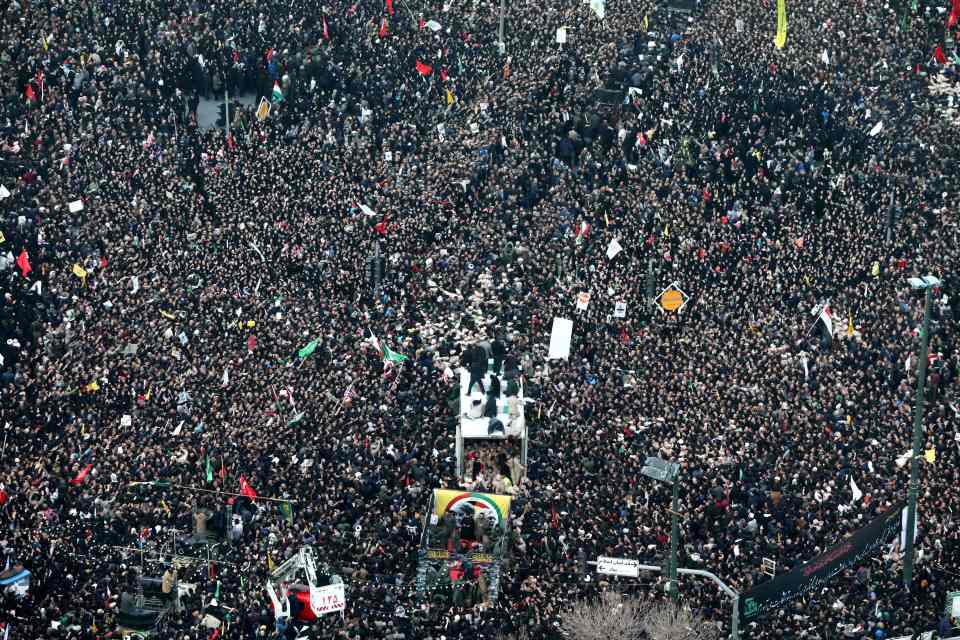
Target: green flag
(209,471)
(307,350)
(287,509)
(393,356)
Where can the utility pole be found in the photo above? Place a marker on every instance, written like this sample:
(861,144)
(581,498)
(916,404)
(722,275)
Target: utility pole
(501,45)
(226,111)
(674,538)
(927,285)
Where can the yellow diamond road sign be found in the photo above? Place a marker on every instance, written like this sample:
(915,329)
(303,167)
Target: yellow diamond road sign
(672,299)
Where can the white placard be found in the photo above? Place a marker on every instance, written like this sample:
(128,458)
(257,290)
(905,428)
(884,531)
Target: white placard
(560,338)
(388,156)
(877,128)
(613,249)
(561,35)
(76,206)
(618,567)
(620,310)
(126,421)
(4,192)
(328,599)
(583,300)
(474,127)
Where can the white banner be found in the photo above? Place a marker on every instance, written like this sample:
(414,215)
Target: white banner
(328,599)
(903,529)
(620,310)
(560,338)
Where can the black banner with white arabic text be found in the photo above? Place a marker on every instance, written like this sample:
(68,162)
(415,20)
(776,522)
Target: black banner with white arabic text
(771,596)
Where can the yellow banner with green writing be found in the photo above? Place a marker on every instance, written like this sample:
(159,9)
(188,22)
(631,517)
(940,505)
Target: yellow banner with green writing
(781,38)
(468,502)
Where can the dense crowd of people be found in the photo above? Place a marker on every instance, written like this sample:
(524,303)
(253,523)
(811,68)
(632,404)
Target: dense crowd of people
(161,283)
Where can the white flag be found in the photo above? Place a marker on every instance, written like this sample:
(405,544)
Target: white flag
(4,192)
(613,249)
(433,25)
(598,8)
(367,210)
(857,494)
(226,377)
(825,57)
(134,284)
(877,128)
(38,287)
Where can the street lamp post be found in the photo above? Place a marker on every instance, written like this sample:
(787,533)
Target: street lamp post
(669,472)
(926,284)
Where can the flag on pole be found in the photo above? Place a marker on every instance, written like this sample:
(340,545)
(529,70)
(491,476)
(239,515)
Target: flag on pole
(390,7)
(954,14)
(375,342)
(277,93)
(857,494)
(287,509)
(223,470)
(423,68)
(80,272)
(824,315)
(23,261)
(30,94)
(326,31)
(781,38)
(384,29)
(849,325)
(78,479)
(308,350)
(209,471)
(246,489)
(393,356)
(939,56)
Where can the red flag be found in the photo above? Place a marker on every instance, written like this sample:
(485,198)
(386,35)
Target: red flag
(80,476)
(390,7)
(423,69)
(3,497)
(954,14)
(23,261)
(383,29)
(223,470)
(381,227)
(252,343)
(554,518)
(246,489)
(423,23)
(230,143)
(326,31)
(443,74)
(939,56)
(31,96)
(269,54)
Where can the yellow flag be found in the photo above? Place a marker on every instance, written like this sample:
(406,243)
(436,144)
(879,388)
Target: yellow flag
(79,271)
(849,326)
(849,419)
(646,22)
(606,219)
(93,386)
(450,98)
(930,455)
(270,562)
(781,38)
(43,41)
(666,231)
(149,393)
(168,316)
(2,238)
